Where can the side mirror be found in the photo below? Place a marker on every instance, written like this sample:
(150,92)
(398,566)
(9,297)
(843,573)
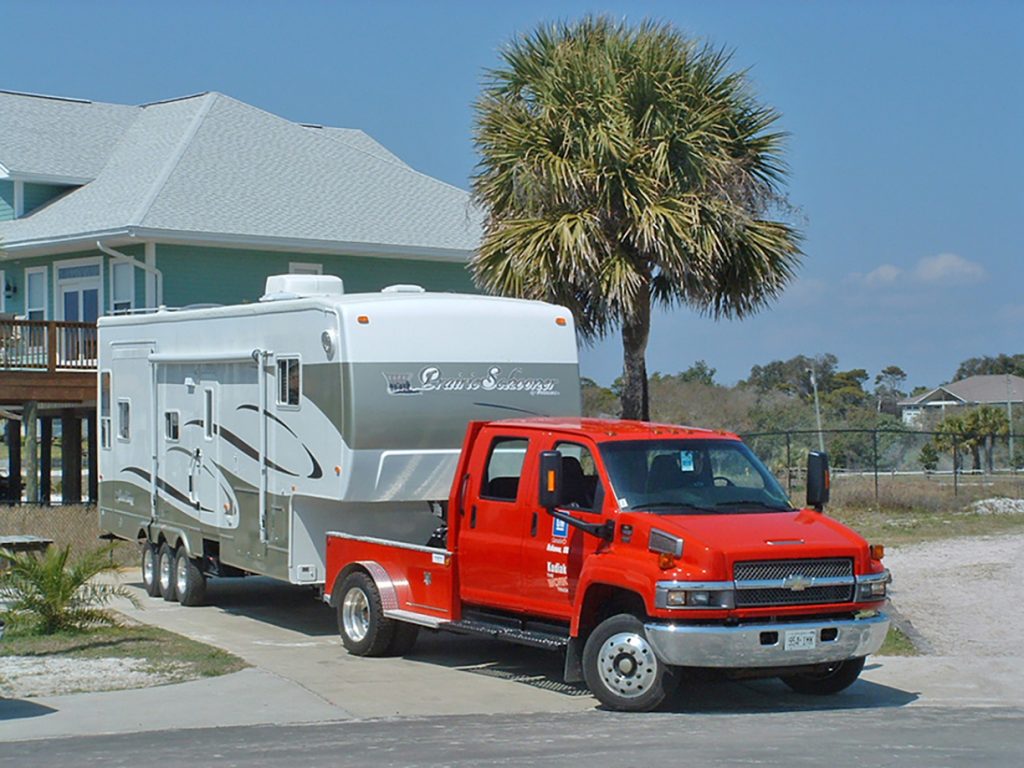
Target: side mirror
(550,494)
(818,480)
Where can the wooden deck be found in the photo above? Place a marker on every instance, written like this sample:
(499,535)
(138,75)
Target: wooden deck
(47,361)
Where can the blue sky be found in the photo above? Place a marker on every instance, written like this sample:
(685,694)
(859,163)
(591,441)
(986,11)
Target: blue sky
(906,150)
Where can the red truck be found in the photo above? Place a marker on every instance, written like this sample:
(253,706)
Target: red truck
(636,549)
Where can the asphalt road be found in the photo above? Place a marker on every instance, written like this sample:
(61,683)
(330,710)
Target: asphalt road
(924,737)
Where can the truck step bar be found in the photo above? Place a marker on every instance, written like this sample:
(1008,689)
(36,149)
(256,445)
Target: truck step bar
(501,630)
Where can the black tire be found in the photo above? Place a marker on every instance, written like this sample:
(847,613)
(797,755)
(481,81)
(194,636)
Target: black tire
(150,569)
(404,640)
(364,629)
(166,572)
(831,678)
(621,669)
(189,581)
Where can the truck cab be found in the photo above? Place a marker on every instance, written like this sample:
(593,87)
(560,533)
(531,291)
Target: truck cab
(638,549)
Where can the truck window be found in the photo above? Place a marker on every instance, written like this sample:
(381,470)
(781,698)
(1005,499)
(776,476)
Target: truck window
(504,468)
(579,476)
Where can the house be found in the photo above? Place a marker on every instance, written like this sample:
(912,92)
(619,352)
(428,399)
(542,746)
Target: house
(108,208)
(1000,390)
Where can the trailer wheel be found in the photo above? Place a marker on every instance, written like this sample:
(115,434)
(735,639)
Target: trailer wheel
(621,669)
(165,571)
(150,569)
(828,679)
(364,629)
(188,580)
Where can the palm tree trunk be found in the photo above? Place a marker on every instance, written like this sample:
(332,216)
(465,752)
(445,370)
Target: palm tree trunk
(635,331)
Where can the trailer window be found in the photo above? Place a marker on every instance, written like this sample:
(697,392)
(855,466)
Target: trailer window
(105,409)
(504,468)
(288,381)
(171,425)
(124,426)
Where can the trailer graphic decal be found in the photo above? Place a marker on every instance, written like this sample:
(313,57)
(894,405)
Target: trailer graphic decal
(315,474)
(433,379)
(170,490)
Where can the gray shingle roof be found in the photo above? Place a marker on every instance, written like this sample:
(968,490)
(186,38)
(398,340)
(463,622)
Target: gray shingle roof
(975,389)
(212,168)
(43,136)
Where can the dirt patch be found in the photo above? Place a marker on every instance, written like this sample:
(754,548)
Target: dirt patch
(962,594)
(30,676)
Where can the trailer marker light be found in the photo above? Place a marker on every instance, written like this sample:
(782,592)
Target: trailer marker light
(363,320)
(337,471)
(560,321)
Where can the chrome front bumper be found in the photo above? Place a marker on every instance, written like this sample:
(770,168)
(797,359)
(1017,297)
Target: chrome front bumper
(764,645)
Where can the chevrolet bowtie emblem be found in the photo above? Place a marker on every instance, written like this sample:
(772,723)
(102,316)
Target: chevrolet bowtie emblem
(797,582)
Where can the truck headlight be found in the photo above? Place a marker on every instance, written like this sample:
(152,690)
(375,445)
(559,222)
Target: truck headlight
(694,595)
(873,587)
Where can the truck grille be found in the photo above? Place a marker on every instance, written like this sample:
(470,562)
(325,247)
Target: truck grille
(793,582)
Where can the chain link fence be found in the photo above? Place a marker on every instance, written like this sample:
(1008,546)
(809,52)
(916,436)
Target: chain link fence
(899,468)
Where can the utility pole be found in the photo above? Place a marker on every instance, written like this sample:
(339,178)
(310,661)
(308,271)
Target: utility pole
(1009,420)
(817,410)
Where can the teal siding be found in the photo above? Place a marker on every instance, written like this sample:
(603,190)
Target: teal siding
(195,275)
(6,200)
(37,195)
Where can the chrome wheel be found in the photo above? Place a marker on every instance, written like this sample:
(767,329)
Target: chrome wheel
(181,574)
(355,614)
(627,664)
(149,570)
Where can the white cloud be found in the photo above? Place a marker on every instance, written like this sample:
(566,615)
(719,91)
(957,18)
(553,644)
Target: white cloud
(948,267)
(886,274)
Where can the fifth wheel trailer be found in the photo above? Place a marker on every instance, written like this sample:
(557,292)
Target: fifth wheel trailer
(233,438)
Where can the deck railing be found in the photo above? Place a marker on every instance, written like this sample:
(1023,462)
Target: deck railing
(48,345)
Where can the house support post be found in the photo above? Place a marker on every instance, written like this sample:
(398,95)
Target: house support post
(94,495)
(29,421)
(71,459)
(13,461)
(45,460)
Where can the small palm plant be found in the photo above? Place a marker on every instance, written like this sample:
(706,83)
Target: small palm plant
(48,594)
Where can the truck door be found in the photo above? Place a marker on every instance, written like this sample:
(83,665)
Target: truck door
(553,551)
(494,523)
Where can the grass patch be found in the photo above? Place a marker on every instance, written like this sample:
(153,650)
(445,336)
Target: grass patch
(141,647)
(894,527)
(897,644)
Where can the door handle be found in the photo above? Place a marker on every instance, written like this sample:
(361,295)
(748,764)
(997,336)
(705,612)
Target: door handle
(472,516)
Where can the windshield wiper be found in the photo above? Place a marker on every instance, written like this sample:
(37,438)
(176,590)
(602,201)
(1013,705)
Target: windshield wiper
(655,505)
(753,503)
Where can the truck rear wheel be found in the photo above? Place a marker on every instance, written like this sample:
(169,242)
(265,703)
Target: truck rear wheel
(621,669)
(828,679)
(165,572)
(188,580)
(150,568)
(364,629)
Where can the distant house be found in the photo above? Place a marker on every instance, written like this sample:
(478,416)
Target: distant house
(108,208)
(975,390)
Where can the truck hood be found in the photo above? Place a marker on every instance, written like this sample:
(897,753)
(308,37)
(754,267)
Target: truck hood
(712,543)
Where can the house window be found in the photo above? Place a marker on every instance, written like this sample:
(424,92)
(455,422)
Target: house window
(305,268)
(124,428)
(172,419)
(289,382)
(122,287)
(35,293)
(3,289)
(105,409)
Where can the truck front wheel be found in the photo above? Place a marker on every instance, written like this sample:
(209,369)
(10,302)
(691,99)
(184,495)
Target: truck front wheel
(364,629)
(621,669)
(829,679)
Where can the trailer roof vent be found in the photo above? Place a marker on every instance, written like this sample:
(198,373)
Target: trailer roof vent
(403,289)
(298,286)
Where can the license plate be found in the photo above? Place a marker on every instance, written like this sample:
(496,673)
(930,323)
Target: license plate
(801,639)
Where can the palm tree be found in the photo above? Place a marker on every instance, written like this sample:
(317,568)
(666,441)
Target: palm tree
(47,594)
(622,167)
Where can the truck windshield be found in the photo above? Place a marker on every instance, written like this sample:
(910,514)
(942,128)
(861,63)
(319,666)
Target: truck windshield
(678,477)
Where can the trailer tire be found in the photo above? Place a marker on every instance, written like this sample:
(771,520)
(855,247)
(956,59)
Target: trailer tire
(364,629)
(832,678)
(150,569)
(189,581)
(165,570)
(404,639)
(621,669)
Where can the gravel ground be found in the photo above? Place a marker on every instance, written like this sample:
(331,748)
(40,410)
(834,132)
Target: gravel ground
(964,596)
(23,677)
